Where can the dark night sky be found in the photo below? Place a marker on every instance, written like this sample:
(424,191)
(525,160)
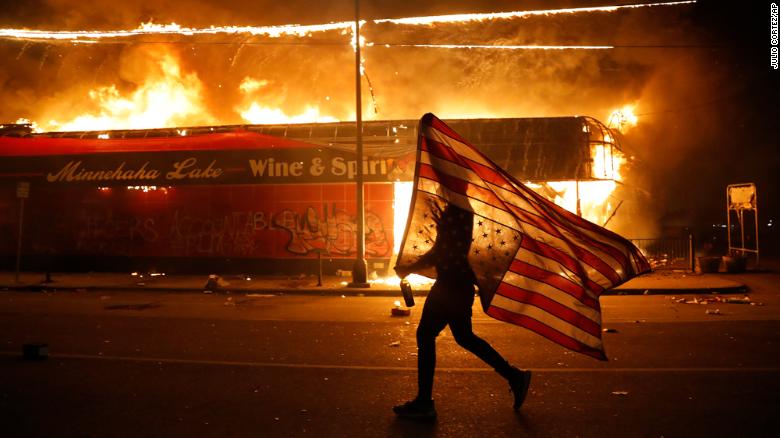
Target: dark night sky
(710,108)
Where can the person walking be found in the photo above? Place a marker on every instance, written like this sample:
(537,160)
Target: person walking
(449,303)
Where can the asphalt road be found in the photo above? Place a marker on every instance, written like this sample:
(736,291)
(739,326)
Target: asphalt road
(154,364)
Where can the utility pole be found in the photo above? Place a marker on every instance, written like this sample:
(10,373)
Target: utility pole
(360,268)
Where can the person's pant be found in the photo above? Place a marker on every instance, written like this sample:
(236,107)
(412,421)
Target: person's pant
(443,308)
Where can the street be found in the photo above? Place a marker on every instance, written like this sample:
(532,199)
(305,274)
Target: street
(192,364)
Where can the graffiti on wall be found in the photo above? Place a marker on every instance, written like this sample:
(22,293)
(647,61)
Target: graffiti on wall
(232,234)
(238,233)
(332,234)
(106,233)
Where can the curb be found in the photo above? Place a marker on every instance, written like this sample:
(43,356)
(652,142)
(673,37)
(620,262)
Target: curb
(343,291)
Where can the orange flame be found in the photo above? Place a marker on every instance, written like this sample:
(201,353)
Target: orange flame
(623,119)
(167,98)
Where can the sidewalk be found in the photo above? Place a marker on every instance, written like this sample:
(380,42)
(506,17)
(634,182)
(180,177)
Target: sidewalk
(660,282)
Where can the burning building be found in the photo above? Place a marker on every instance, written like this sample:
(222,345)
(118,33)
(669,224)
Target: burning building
(262,198)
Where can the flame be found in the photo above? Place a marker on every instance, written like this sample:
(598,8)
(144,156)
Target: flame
(91,36)
(607,160)
(459,18)
(167,98)
(623,119)
(86,36)
(594,197)
(257,113)
(500,47)
(402,199)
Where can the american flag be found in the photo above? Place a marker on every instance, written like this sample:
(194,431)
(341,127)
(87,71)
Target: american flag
(537,265)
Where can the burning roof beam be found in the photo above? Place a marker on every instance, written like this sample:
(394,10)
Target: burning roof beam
(91,36)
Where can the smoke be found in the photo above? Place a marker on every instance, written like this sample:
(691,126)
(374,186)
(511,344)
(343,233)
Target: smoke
(679,93)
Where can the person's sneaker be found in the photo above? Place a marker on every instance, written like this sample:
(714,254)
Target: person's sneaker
(416,410)
(518,384)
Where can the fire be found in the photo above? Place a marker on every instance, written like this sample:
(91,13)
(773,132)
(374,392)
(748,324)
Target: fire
(257,113)
(623,119)
(500,47)
(607,160)
(294,30)
(167,97)
(593,198)
(458,18)
(87,36)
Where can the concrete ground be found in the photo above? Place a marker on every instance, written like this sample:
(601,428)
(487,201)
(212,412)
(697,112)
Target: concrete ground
(257,362)
(652,283)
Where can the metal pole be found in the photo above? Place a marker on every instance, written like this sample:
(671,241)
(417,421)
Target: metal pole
(19,240)
(360,268)
(690,253)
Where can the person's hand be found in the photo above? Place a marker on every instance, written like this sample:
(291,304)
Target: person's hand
(401,271)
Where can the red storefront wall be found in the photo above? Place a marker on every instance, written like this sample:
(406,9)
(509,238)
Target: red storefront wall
(263,221)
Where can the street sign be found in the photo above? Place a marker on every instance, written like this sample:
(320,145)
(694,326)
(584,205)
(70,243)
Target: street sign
(23,190)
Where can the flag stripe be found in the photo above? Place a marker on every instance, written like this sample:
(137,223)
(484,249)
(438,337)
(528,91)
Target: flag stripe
(547,319)
(592,288)
(527,270)
(546,331)
(588,305)
(544,250)
(461,186)
(467,203)
(552,307)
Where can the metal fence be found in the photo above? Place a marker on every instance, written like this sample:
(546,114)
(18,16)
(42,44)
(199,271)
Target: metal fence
(667,253)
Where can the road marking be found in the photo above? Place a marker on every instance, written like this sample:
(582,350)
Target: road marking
(160,360)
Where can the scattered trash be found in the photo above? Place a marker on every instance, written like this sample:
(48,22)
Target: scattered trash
(35,351)
(646,292)
(395,344)
(214,284)
(397,310)
(715,299)
(609,330)
(619,392)
(229,302)
(713,312)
